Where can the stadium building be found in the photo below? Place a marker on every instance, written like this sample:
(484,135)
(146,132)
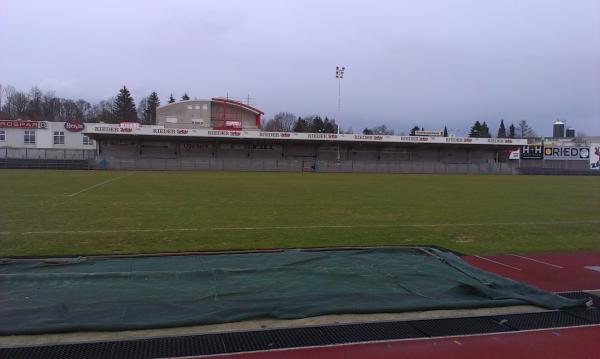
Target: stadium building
(223,134)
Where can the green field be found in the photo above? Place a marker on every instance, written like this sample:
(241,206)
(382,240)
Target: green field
(89,212)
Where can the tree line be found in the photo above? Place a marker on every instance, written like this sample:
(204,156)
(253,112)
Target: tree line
(523,130)
(288,122)
(37,105)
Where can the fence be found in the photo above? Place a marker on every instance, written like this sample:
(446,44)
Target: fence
(230,164)
(46,154)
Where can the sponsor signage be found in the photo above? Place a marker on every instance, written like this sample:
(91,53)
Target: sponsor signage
(234,124)
(74,125)
(23,124)
(566,153)
(514,154)
(429,133)
(532,152)
(595,157)
(148,130)
(129,124)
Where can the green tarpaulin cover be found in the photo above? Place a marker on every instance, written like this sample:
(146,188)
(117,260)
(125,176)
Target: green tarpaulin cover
(44,296)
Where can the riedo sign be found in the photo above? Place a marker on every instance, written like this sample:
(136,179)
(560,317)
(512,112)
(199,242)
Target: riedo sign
(74,126)
(566,153)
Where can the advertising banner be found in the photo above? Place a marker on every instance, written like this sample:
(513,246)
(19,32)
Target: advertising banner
(514,154)
(532,152)
(595,156)
(566,153)
(74,125)
(23,124)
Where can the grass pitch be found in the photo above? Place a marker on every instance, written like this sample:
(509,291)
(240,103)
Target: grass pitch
(93,212)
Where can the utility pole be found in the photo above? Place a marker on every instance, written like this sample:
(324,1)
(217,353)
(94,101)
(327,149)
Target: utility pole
(339,74)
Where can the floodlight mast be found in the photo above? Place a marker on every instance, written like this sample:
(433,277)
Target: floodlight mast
(339,74)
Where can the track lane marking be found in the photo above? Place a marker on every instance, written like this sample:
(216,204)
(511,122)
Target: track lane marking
(538,261)
(98,184)
(500,263)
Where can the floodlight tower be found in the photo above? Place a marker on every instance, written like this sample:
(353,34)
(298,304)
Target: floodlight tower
(339,74)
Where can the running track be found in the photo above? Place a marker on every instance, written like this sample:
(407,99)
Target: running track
(557,272)
(551,271)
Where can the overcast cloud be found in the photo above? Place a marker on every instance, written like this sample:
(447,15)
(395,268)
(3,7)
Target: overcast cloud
(429,63)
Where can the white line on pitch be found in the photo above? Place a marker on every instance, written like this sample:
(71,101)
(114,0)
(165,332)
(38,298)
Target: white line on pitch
(500,263)
(98,184)
(535,260)
(400,225)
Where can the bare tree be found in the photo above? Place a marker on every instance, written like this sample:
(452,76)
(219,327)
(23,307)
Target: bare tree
(524,131)
(382,130)
(142,111)
(35,103)
(103,111)
(51,106)
(281,122)
(20,102)
(69,110)
(84,109)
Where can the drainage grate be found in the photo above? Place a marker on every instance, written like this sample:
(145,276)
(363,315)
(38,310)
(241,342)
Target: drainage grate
(459,326)
(540,320)
(91,350)
(582,295)
(591,315)
(351,333)
(217,343)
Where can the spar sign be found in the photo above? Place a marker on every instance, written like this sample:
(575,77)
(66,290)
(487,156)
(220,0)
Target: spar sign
(595,156)
(566,153)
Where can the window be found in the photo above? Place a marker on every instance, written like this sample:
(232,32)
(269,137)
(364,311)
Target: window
(205,107)
(171,119)
(189,107)
(2,135)
(198,121)
(197,107)
(59,137)
(29,137)
(87,140)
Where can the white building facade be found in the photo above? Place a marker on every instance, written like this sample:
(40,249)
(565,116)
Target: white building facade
(45,135)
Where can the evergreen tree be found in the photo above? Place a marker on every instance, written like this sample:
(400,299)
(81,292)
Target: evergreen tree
(485,131)
(124,107)
(151,105)
(511,131)
(185,97)
(328,126)
(445,131)
(367,131)
(171,99)
(317,125)
(501,130)
(414,130)
(301,125)
(475,130)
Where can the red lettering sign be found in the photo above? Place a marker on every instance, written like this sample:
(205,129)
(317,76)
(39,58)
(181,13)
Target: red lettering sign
(74,126)
(23,124)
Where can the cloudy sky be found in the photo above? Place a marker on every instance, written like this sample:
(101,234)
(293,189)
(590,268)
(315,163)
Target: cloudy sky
(429,63)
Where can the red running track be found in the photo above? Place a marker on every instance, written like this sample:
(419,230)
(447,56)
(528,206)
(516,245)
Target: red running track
(555,272)
(579,343)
